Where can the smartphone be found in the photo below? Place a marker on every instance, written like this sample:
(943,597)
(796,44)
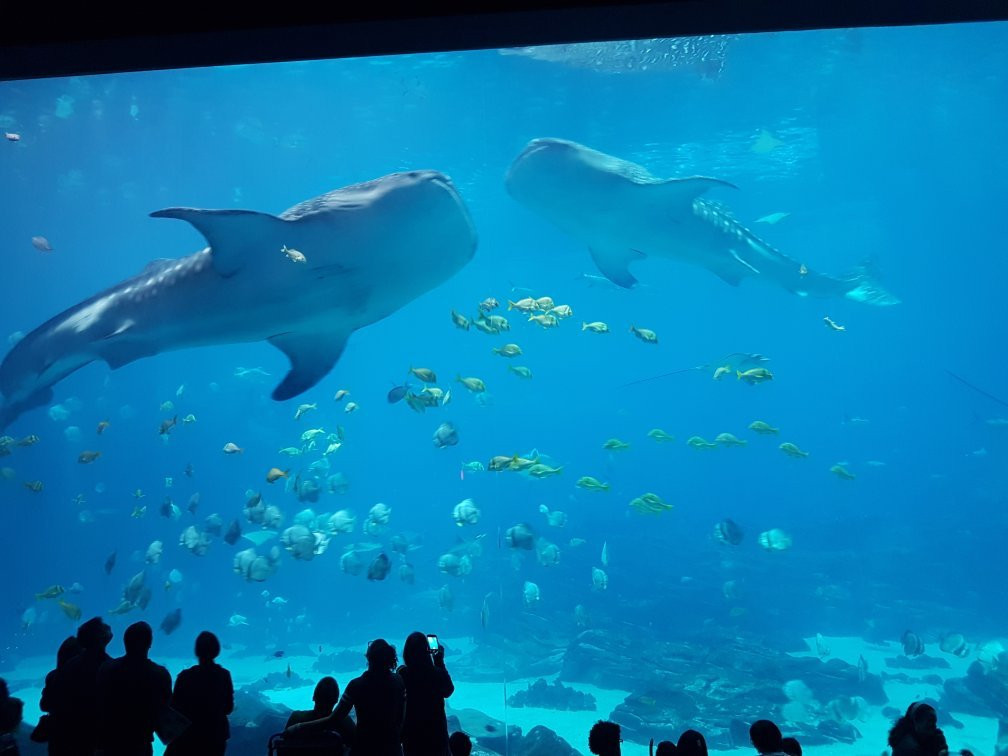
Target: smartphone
(432,641)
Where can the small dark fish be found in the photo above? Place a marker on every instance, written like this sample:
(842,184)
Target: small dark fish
(189,470)
(912,644)
(193,502)
(145,597)
(166,507)
(167,425)
(233,533)
(170,623)
(278,654)
(727,531)
(41,244)
(521,536)
(35,486)
(399,544)
(110,563)
(397,394)
(445,435)
(213,525)
(288,671)
(379,568)
(28,440)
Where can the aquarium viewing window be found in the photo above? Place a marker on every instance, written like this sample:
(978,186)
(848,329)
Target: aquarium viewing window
(644,359)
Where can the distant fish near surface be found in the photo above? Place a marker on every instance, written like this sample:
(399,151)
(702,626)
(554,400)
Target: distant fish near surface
(624,214)
(41,244)
(701,55)
(231,291)
(773,218)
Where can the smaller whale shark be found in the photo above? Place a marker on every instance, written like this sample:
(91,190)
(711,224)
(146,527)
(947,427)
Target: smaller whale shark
(304,281)
(623,214)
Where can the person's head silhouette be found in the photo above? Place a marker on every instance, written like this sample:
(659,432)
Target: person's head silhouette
(381,655)
(326,694)
(138,639)
(459,743)
(94,634)
(207,647)
(691,743)
(765,736)
(604,739)
(791,747)
(416,651)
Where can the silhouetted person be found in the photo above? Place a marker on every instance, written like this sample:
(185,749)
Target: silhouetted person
(75,696)
(604,739)
(916,733)
(326,697)
(665,748)
(11,710)
(691,743)
(132,692)
(766,737)
(379,699)
(459,744)
(428,684)
(204,695)
(791,747)
(53,727)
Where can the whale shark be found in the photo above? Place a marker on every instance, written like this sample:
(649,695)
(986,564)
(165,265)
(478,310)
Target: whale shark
(363,252)
(623,213)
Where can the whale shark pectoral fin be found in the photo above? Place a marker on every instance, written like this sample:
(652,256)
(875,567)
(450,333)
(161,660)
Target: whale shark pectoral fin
(233,235)
(312,356)
(683,191)
(612,262)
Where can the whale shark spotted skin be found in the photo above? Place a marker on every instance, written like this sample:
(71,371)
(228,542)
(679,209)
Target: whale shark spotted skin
(369,249)
(623,214)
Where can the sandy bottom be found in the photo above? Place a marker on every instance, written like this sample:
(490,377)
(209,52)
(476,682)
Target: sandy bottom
(979,733)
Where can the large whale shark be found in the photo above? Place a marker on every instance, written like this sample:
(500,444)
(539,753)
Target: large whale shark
(365,251)
(623,214)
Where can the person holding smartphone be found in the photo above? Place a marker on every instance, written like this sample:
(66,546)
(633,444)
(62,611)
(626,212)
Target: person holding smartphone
(428,684)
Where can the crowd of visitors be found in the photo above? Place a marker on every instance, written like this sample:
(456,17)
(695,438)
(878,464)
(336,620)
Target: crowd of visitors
(95,705)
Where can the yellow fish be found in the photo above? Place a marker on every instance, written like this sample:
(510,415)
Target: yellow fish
(792,451)
(473,384)
(275,473)
(644,334)
(70,610)
(842,472)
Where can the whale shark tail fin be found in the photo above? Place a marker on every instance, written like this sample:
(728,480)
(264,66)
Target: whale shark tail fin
(866,288)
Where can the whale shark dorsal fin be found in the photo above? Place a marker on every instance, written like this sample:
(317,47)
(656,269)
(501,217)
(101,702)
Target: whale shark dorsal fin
(231,234)
(685,190)
(612,262)
(312,356)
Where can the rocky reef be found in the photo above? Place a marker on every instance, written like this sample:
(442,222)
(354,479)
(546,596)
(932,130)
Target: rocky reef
(708,684)
(543,695)
(490,736)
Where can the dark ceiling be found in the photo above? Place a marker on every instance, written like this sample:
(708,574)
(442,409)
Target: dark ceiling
(42,40)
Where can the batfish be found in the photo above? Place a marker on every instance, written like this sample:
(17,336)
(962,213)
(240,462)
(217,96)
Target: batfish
(368,250)
(623,214)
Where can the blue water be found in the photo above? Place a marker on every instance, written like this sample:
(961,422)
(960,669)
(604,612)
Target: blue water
(891,147)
